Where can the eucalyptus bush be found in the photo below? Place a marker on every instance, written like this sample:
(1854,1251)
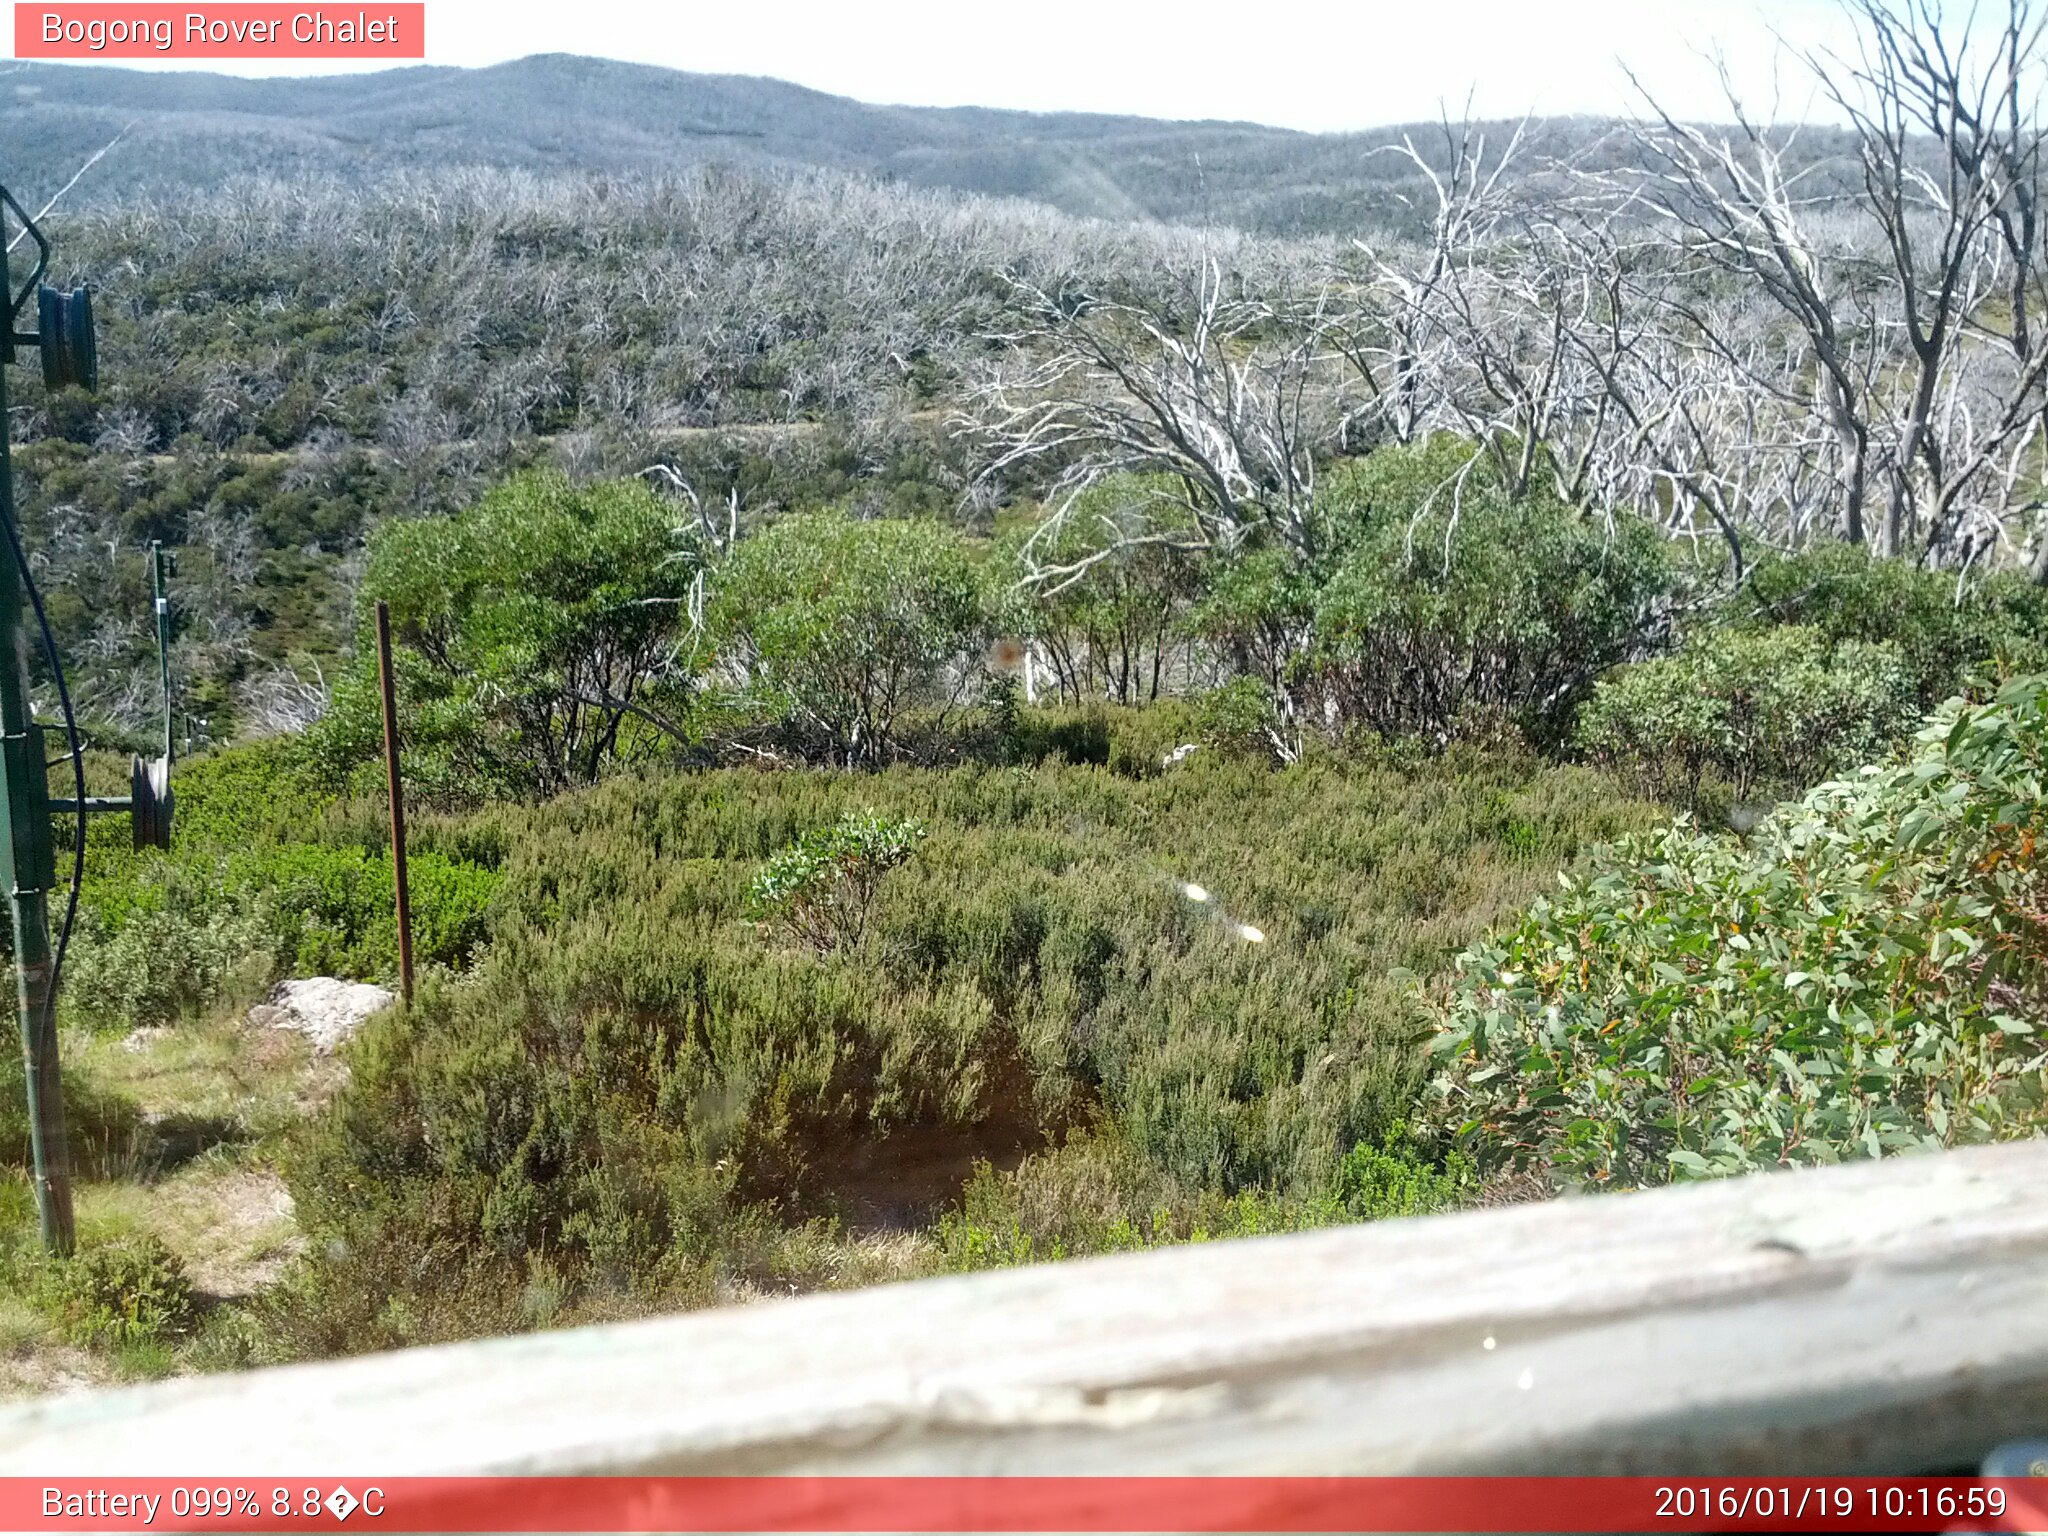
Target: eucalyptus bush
(541,636)
(841,627)
(1116,573)
(1763,713)
(1864,975)
(1451,604)
(822,887)
(1952,629)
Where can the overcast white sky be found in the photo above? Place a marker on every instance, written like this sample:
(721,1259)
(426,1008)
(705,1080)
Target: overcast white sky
(1298,63)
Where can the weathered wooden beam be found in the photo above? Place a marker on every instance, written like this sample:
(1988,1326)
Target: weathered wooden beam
(1884,1318)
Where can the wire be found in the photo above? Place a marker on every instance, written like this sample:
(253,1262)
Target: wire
(35,599)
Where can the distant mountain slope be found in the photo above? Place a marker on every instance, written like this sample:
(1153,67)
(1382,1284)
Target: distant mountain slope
(558,112)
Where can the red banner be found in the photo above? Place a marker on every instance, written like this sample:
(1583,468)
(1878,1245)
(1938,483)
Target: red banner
(934,1504)
(227,31)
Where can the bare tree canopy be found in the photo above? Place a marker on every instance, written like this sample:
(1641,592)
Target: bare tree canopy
(1711,327)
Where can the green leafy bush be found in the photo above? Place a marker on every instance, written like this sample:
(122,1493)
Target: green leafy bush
(1256,609)
(242,899)
(328,911)
(1246,716)
(1865,975)
(1763,712)
(822,887)
(170,958)
(840,627)
(539,638)
(1122,573)
(204,932)
(1395,1177)
(1451,605)
(1098,1194)
(116,1294)
(1951,629)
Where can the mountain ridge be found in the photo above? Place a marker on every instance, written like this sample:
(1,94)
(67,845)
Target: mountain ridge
(567,113)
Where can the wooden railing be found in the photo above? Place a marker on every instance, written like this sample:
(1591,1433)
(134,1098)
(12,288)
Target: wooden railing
(1883,1317)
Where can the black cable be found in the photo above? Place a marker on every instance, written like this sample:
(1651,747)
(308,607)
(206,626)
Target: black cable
(35,599)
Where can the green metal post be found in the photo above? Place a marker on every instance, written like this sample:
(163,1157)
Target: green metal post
(27,861)
(163,637)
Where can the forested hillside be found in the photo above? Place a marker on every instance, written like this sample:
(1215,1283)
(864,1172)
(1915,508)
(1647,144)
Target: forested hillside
(559,114)
(943,733)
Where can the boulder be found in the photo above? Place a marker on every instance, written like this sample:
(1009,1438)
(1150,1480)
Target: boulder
(325,1009)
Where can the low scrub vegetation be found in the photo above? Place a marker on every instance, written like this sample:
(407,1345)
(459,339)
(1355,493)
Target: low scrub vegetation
(1755,714)
(775,936)
(270,877)
(995,740)
(1190,984)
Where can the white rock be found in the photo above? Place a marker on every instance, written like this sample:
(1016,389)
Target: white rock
(324,1009)
(1180,754)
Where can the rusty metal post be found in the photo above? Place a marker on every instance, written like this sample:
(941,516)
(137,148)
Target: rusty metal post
(401,894)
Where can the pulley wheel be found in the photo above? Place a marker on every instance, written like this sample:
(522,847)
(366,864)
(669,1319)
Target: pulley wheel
(70,353)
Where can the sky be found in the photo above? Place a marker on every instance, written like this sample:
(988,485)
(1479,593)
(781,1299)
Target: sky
(1307,64)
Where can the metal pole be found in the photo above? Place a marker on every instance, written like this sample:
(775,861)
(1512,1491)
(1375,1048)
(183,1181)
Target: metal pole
(397,801)
(30,870)
(163,638)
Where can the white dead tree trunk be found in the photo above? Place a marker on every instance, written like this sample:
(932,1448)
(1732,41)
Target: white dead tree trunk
(1949,155)
(1230,396)
(1916,294)
(1736,198)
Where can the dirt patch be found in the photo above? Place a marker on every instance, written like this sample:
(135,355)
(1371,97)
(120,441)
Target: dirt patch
(51,1368)
(899,1183)
(233,1229)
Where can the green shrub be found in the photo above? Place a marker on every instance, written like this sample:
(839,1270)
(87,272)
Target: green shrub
(1256,609)
(1451,604)
(1864,976)
(1396,1178)
(191,932)
(1952,631)
(1764,712)
(1141,741)
(1122,572)
(540,636)
(821,888)
(840,627)
(1098,1194)
(242,898)
(168,961)
(117,1295)
(14,1134)
(329,911)
(1247,717)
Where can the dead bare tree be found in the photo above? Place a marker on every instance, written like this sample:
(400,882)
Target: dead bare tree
(1957,226)
(1916,297)
(1227,393)
(1395,326)
(1736,199)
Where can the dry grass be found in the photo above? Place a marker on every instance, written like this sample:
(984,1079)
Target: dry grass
(180,1143)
